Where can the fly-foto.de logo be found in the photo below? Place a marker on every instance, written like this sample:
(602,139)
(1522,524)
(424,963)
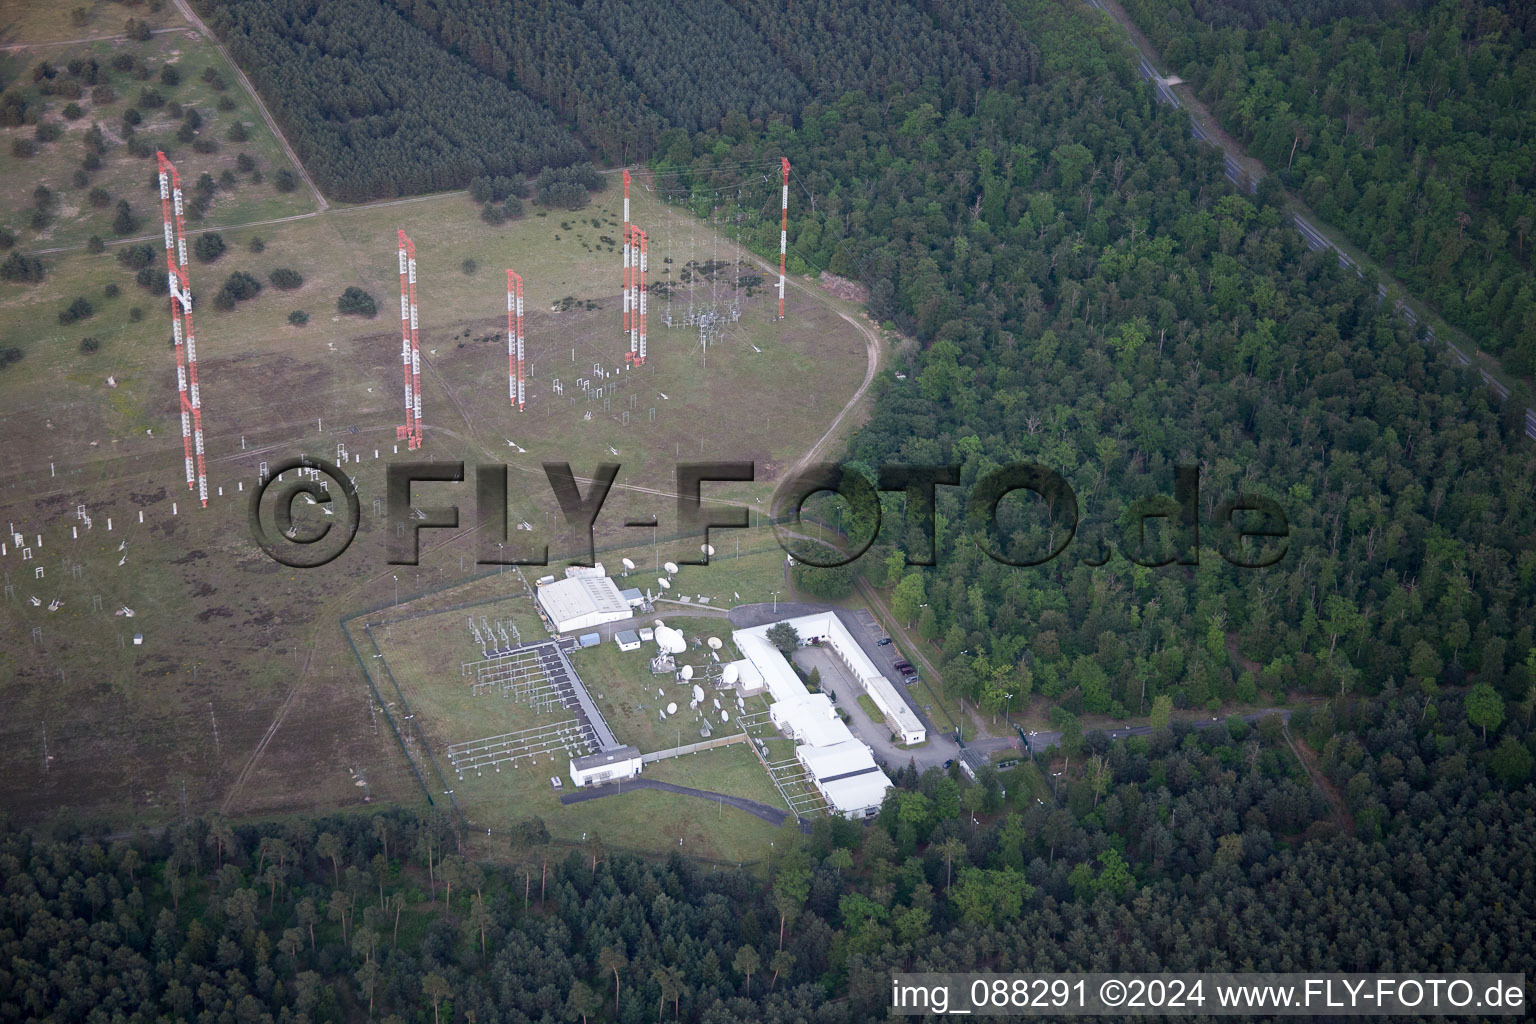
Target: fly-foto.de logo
(1020,515)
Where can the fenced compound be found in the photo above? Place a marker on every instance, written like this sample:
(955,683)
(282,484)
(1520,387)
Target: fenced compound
(568,737)
(540,675)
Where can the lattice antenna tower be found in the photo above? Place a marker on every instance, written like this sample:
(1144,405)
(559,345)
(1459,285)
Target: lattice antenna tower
(410,345)
(181,329)
(783,230)
(637,320)
(516,384)
(628,289)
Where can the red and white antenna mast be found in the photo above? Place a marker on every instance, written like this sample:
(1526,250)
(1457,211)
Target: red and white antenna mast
(410,347)
(516,388)
(181,328)
(640,314)
(632,294)
(783,231)
(628,279)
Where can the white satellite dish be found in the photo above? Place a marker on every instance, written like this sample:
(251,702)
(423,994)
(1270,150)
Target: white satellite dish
(672,708)
(731,674)
(670,640)
(725,716)
(698,693)
(717,703)
(627,563)
(686,673)
(671,568)
(662,715)
(663,582)
(708,549)
(714,643)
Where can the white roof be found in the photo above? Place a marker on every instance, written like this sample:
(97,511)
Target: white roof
(770,663)
(813,720)
(570,599)
(857,792)
(846,774)
(784,685)
(825,762)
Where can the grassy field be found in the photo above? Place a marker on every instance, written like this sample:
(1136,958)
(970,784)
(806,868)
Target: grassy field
(42,26)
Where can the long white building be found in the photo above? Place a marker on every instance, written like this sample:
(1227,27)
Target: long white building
(840,765)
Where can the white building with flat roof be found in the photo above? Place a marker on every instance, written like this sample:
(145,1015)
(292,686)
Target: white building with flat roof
(605,766)
(581,602)
(847,777)
(827,627)
(840,766)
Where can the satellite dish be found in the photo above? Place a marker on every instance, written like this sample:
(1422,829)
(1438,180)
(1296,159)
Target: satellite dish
(698,693)
(708,549)
(687,672)
(717,703)
(672,708)
(725,716)
(627,563)
(662,714)
(714,643)
(671,568)
(663,582)
(731,674)
(670,640)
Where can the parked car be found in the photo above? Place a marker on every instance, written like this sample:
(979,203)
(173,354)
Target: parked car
(900,665)
(883,641)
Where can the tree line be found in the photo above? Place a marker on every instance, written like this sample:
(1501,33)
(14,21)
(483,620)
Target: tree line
(1187,849)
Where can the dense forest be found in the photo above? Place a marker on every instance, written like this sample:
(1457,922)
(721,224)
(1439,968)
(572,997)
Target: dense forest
(1409,127)
(384,99)
(1088,293)
(373,108)
(1185,850)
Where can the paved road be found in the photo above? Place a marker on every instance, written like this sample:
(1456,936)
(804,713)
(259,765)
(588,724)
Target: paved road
(1046,740)
(772,815)
(1314,238)
(745,616)
(939,748)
